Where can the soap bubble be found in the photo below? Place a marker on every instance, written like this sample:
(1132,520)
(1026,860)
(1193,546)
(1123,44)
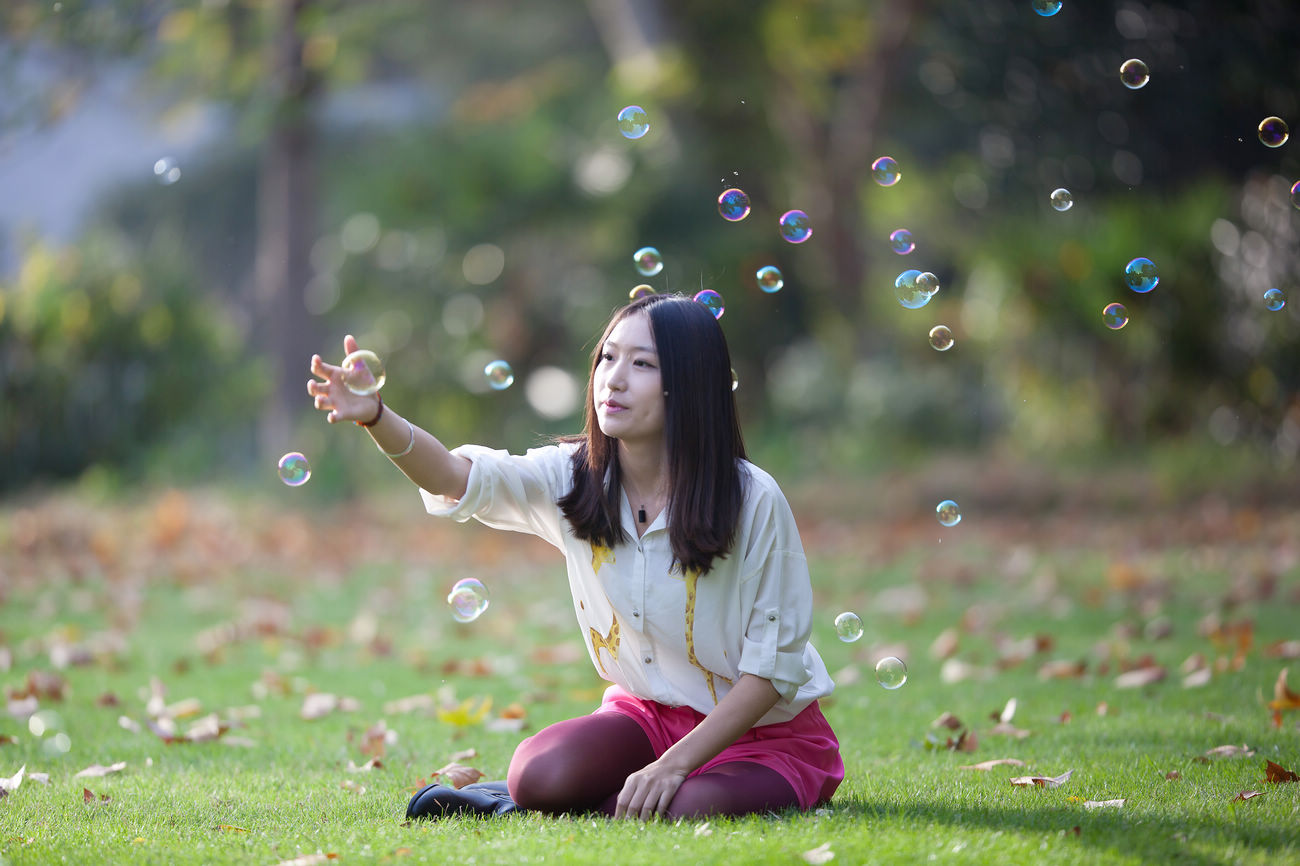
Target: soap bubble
(1047,8)
(294,469)
(900,241)
(468,599)
(648,261)
(848,626)
(499,375)
(1141,275)
(733,204)
(166,171)
(363,372)
(1295,193)
(1273,131)
(713,301)
(633,122)
(928,283)
(795,227)
(770,279)
(948,512)
(886,171)
(1274,299)
(891,673)
(1115,316)
(1062,199)
(1134,74)
(908,292)
(639,292)
(941,338)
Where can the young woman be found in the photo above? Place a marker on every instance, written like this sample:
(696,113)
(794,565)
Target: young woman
(688,579)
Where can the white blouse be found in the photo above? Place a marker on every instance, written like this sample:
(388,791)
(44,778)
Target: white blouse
(679,639)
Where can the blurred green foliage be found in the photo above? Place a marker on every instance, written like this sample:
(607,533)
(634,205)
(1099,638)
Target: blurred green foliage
(498,218)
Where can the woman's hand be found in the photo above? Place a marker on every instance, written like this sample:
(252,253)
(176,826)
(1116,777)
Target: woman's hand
(648,791)
(333,396)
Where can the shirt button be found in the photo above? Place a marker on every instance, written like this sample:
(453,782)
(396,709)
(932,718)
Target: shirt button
(636,613)
(771,617)
(646,659)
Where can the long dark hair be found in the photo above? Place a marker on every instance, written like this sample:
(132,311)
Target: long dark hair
(701,431)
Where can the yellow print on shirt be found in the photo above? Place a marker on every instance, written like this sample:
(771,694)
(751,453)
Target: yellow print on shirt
(600,554)
(607,642)
(692,577)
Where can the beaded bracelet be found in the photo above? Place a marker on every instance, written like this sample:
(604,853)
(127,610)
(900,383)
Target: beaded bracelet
(409,445)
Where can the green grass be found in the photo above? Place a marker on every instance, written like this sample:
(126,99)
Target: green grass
(1089,590)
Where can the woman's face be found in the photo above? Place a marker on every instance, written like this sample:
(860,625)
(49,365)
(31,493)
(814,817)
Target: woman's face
(627,385)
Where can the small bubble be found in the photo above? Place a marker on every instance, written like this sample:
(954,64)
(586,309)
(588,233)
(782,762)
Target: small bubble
(891,673)
(294,469)
(928,283)
(633,122)
(1134,74)
(166,171)
(1115,316)
(1047,8)
(848,626)
(941,338)
(900,241)
(795,227)
(733,204)
(713,301)
(886,172)
(1141,275)
(363,372)
(910,295)
(648,261)
(948,512)
(468,599)
(1273,131)
(1274,299)
(639,292)
(1295,194)
(499,375)
(770,279)
(1062,199)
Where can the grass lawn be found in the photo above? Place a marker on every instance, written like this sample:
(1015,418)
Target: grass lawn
(185,637)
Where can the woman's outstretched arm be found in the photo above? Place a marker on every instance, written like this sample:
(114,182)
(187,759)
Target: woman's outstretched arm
(420,456)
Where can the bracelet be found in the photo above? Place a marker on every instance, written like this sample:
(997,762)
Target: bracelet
(375,420)
(409,445)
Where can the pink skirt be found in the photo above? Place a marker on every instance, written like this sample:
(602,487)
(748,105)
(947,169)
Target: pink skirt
(803,750)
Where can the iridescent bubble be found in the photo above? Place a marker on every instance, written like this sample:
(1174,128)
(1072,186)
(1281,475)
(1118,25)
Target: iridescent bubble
(891,673)
(909,294)
(1274,299)
(733,204)
(468,599)
(1047,8)
(848,626)
(294,469)
(1295,193)
(1141,275)
(166,171)
(1115,316)
(928,283)
(886,171)
(770,279)
(941,338)
(795,227)
(499,375)
(648,261)
(948,512)
(363,372)
(1062,199)
(900,241)
(639,292)
(633,122)
(713,301)
(1134,74)
(1273,131)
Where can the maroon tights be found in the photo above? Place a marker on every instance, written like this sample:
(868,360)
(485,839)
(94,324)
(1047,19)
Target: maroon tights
(579,765)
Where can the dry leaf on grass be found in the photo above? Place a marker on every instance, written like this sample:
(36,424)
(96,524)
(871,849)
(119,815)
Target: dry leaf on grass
(1242,751)
(1277,773)
(1246,795)
(410,704)
(996,762)
(1283,699)
(1103,804)
(373,763)
(821,854)
(1006,729)
(320,704)
(12,782)
(458,775)
(96,770)
(947,720)
(88,796)
(1139,677)
(1042,781)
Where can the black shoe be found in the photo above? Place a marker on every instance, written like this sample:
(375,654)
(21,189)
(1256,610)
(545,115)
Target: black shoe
(480,798)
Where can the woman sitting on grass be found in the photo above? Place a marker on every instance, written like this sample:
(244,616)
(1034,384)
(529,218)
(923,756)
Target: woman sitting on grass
(688,577)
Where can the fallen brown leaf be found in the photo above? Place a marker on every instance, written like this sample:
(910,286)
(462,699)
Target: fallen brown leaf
(1139,677)
(1173,774)
(995,762)
(464,754)
(1277,773)
(1242,751)
(458,775)
(12,782)
(1103,804)
(1283,698)
(96,770)
(1061,670)
(1042,781)
(1006,729)
(1246,795)
(947,720)
(1283,649)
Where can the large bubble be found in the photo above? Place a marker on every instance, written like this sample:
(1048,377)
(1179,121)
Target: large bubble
(885,170)
(900,241)
(1274,299)
(733,204)
(1062,199)
(639,292)
(1134,74)
(1047,8)
(948,513)
(891,673)
(1115,316)
(363,372)
(633,122)
(1273,131)
(648,261)
(848,626)
(794,226)
(294,469)
(499,375)
(468,599)
(770,279)
(941,338)
(713,301)
(1141,275)
(909,290)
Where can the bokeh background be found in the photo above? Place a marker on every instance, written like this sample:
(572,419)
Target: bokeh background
(196,195)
